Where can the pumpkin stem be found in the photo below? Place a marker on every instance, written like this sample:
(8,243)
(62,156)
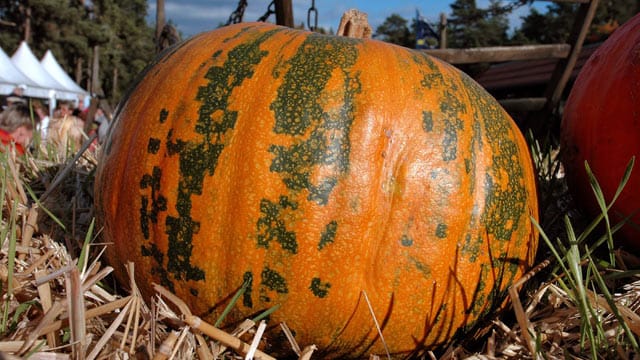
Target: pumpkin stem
(354,23)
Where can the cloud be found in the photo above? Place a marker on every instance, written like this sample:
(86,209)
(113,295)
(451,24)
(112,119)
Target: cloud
(197,11)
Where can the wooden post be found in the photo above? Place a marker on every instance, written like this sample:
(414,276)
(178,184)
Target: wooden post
(78,72)
(564,67)
(91,114)
(284,13)
(115,94)
(95,70)
(159,22)
(27,25)
(443,31)
(95,89)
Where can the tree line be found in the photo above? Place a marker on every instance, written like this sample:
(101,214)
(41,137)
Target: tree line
(471,26)
(104,44)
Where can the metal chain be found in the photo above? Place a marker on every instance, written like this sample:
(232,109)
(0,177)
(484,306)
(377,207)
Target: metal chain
(271,9)
(312,11)
(237,15)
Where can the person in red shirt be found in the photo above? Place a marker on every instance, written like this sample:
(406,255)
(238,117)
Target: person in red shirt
(16,127)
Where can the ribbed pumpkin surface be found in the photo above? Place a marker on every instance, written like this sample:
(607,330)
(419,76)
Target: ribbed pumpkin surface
(601,125)
(319,168)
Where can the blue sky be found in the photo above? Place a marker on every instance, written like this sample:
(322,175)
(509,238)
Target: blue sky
(194,16)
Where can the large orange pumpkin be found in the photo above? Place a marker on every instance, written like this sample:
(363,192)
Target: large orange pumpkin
(319,169)
(601,125)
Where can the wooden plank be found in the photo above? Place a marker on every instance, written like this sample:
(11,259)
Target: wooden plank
(284,13)
(501,53)
(524,104)
(564,68)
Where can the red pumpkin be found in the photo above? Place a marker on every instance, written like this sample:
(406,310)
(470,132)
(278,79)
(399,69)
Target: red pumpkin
(317,169)
(601,125)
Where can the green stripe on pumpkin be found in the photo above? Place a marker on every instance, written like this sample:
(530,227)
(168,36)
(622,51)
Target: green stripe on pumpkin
(318,288)
(153,146)
(420,266)
(471,247)
(272,280)
(503,207)
(149,212)
(199,159)
(427,120)
(321,138)
(406,240)
(441,231)
(451,107)
(272,225)
(164,114)
(157,269)
(328,235)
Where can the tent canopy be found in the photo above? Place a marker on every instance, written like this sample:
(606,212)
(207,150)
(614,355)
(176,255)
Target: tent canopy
(51,65)
(24,60)
(11,76)
(44,78)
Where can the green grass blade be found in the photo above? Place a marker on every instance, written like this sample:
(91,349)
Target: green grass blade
(595,186)
(83,258)
(573,255)
(597,190)
(37,201)
(3,190)
(10,266)
(625,179)
(604,238)
(604,208)
(579,287)
(265,313)
(21,309)
(590,228)
(627,274)
(35,349)
(614,308)
(553,250)
(232,303)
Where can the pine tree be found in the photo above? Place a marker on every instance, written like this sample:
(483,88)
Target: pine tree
(12,28)
(470,26)
(72,29)
(394,29)
(129,45)
(618,10)
(495,24)
(464,24)
(554,25)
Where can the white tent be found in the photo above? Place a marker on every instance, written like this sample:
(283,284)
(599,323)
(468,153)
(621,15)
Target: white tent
(24,60)
(52,66)
(10,77)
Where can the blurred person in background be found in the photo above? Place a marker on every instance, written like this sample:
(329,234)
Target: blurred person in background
(16,96)
(43,116)
(63,109)
(65,131)
(16,127)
